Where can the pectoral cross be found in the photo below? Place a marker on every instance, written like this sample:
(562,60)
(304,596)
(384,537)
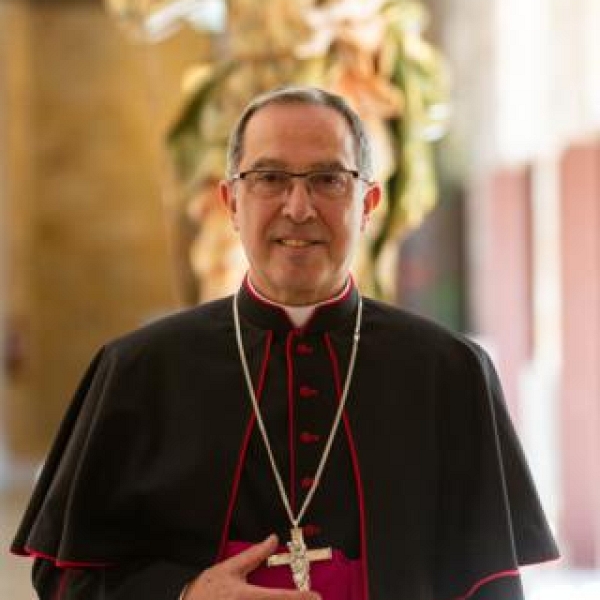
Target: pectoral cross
(299,558)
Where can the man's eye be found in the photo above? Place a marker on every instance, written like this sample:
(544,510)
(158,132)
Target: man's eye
(270,177)
(332,179)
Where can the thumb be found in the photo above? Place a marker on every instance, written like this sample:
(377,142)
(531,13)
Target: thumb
(252,557)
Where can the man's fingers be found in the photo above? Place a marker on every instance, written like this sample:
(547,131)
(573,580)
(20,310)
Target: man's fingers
(249,560)
(252,557)
(261,593)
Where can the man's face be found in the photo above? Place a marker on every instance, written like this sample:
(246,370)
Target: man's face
(299,247)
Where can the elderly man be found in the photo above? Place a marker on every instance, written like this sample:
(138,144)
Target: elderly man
(375,445)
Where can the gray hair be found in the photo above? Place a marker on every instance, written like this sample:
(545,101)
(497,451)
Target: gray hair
(302,95)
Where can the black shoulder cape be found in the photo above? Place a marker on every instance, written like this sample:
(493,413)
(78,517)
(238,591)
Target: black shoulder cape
(143,463)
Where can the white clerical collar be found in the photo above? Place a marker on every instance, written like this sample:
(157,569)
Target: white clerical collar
(299,315)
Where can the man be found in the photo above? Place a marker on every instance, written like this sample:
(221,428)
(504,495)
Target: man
(374,444)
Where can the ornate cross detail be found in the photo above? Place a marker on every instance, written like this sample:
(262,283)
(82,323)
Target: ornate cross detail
(299,558)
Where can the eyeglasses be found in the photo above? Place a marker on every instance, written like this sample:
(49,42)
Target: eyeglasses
(332,185)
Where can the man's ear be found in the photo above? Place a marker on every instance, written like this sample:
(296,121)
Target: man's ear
(229,201)
(370,201)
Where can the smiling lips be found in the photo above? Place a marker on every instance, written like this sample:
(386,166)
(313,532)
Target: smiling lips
(296,243)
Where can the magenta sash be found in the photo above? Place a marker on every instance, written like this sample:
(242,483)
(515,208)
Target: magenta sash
(335,579)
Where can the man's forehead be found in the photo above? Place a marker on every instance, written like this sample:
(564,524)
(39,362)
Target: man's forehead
(277,133)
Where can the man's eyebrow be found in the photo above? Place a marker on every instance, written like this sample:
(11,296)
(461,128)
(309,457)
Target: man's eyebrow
(268,163)
(329,165)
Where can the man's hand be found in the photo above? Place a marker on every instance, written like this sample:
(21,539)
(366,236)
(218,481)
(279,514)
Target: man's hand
(227,580)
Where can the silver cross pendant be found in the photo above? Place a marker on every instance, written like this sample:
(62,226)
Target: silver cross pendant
(299,558)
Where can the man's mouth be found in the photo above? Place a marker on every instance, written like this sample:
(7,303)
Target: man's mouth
(295,243)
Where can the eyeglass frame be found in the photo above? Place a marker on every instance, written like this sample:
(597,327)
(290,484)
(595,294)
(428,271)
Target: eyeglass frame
(304,174)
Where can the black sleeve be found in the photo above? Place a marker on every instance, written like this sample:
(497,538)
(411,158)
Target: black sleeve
(142,580)
(490,519)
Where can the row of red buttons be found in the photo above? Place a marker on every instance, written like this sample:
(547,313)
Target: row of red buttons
(306,437)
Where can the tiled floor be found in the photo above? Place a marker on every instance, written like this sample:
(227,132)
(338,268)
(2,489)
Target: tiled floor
(551,582)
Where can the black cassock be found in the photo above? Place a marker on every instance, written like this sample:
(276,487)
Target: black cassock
(158,463)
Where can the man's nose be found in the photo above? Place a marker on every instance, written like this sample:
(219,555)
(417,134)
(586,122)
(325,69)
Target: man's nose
(298,204)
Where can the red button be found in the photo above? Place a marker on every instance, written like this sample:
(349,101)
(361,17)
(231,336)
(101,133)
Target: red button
(304,349)
(309,438)
(307,392)
(311,530)
(306,482)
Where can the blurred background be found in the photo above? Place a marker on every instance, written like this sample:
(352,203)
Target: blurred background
(485,118)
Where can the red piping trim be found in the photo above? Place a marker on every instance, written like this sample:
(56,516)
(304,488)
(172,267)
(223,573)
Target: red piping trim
(62,564)
(355,468)
(248,285)
(243,449)
(488,579)
(62,585)
(331,302)
(291,418)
